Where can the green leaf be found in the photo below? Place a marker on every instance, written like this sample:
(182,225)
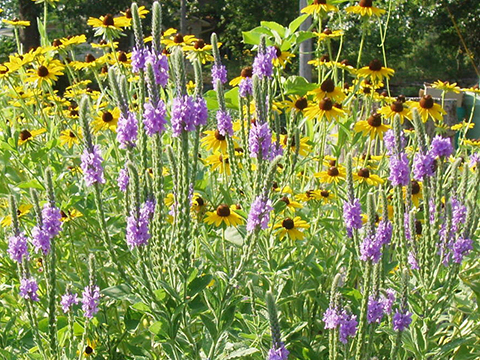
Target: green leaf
(295,24)
(298,85)
(252,37)
(274,26)
(32,184)
(231,98)
(211,100)
(234,236)
(241,353)
(304,35)
(198,284)
(118,292)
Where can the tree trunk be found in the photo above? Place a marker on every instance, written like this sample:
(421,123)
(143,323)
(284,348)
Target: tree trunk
(29,36)
(305,49)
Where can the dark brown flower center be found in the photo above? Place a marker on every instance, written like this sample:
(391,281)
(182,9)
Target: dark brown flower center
(73,112)
(288,224)
(219,136)
(327,31)
(223,210)
(318,2)
(285,200)
(418,227)
(71,134)
(57,42)
(178,39)
(375,120)
(325,193)
(333,171)
(364,172)
(107,116)
(199,44)
(89,58)
(345,62)
(128,13)
(326,104)
(88,350)
(247,72)
(415,187)
(42,71)
(332,163)
(365,3)
(301,103)
(223,160)
(427,102)
(397,107)
(108,20)
(104,70)
(325,58)
(103,42)
(278,51)
(401,98)
(25,135)
(384,93)
(328,86)
(64,215)
(200,201)
(375,65)
(122,57)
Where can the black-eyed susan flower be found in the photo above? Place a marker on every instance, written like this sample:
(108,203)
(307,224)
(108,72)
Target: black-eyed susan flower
(290,227)
(199,51)
(71,136)
(364,175)
(198,203)
(462,126)
(319,6)
(108,25)
(296,103)
(70,215)
(303,149)
(328,34)
(334,174)
(246,73)
(47,71)
(291,204)
(446,86)
(127,14)
(373,126)
(417,192)
(71,41)
(328,90)
(173,38)
(219,162)
(375,71)
(106,120)
(214,141)
(282,57)
(324,110)
(225,214)
(29,135)
(16,23)
(427,108)
(471,142)
(22,210)
(326,196)
(365,8)
(90,348)
(309,195)
(397,108)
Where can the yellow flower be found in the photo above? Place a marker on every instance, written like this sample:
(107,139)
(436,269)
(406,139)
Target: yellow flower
(365,8)
(127,14)
(106,120)
(214,141)
(199,50)
(446,86)
(198,203)
(47,71)
(309,195)
(304,148)
(417,193)
(372,127)
(247,72)
(427,107)
(334,174)
(219,162)
(17,23)
(290,204)
(89,349)
(375,71)
(283,57)
(291,228)
(318,6)
(70,215)
(72,40)
(328,90)
(364,176)
(71,136)
(296,103)
(475,89)
(22,210)
(173,38)
(462,125)
(328,34)
(471,142)
(26,135)
(389,111)
(89,63)
(108,25)
(224,214)
(325,109)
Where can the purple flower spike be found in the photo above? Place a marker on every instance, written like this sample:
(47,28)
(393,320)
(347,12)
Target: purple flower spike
(90,300)
(259,215)
(68,300)
(127,130)
(154,118)
(352,215)
(219,72)
(278,353)
(260,140)
(28,289)
(224,123)
(123,180)
(348,326)
(92,166)
(441,147)
(18,248)
(331,318)
(399,170)
(401,321)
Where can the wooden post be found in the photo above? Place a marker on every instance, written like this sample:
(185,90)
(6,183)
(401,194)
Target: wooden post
(305,49)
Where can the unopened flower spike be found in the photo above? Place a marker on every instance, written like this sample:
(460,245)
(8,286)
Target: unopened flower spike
(137,26)
(156,27)
(135,186)
(117,93)
(278,350)
(179,68)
